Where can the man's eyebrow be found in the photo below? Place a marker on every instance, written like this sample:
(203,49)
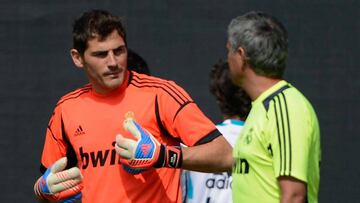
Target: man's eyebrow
(99,52)
(105,51)
(120,47)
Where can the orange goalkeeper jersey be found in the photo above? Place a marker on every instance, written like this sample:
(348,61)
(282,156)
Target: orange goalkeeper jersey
(84,125)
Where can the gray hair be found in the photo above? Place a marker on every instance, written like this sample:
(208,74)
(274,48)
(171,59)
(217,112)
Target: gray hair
(264,40)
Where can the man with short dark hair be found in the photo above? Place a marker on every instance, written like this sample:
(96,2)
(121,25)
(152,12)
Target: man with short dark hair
(85,135)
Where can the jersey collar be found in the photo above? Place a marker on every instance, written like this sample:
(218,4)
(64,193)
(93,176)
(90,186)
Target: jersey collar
(271,90)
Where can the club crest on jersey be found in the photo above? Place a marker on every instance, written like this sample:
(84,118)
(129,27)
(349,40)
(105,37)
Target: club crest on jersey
(248,136)
(129,114)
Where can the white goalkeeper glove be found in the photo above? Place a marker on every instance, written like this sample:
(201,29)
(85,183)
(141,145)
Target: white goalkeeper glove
(57,184)
(145,151)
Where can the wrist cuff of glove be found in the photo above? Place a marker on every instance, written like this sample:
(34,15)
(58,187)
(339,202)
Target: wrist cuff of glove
(170,156)
(38,192)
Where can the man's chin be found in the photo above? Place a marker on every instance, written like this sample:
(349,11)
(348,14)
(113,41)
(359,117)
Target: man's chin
(114,83)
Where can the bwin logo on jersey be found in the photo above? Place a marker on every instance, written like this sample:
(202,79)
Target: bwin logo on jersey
(220,181)
(99,158)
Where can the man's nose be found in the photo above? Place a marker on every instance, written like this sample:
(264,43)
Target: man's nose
(111,60)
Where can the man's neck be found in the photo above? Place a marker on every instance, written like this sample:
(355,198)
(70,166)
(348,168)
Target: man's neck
(255,85)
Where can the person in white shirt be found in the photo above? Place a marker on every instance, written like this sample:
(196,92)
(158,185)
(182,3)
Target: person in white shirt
(235,105)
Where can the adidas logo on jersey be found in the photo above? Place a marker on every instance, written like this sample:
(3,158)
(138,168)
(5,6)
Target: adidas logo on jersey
(79,131)
(220,181)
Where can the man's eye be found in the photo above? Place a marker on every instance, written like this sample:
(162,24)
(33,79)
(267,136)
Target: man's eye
(119,51)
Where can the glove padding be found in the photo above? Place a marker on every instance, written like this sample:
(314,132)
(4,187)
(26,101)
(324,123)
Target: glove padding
(132,170)
(145,151)
(57,184)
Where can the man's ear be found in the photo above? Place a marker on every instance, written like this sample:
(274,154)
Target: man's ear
(77,58)
(242,53)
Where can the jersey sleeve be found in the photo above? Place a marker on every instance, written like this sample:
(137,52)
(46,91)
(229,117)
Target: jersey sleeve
(183,119)
(54,146)
(291,140)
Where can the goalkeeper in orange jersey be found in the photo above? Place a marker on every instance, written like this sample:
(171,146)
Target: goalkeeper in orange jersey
(157,115)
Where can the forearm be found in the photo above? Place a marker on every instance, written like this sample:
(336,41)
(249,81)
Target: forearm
(215,156)
(292,190)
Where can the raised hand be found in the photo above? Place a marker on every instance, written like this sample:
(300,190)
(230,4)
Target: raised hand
(145,151)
